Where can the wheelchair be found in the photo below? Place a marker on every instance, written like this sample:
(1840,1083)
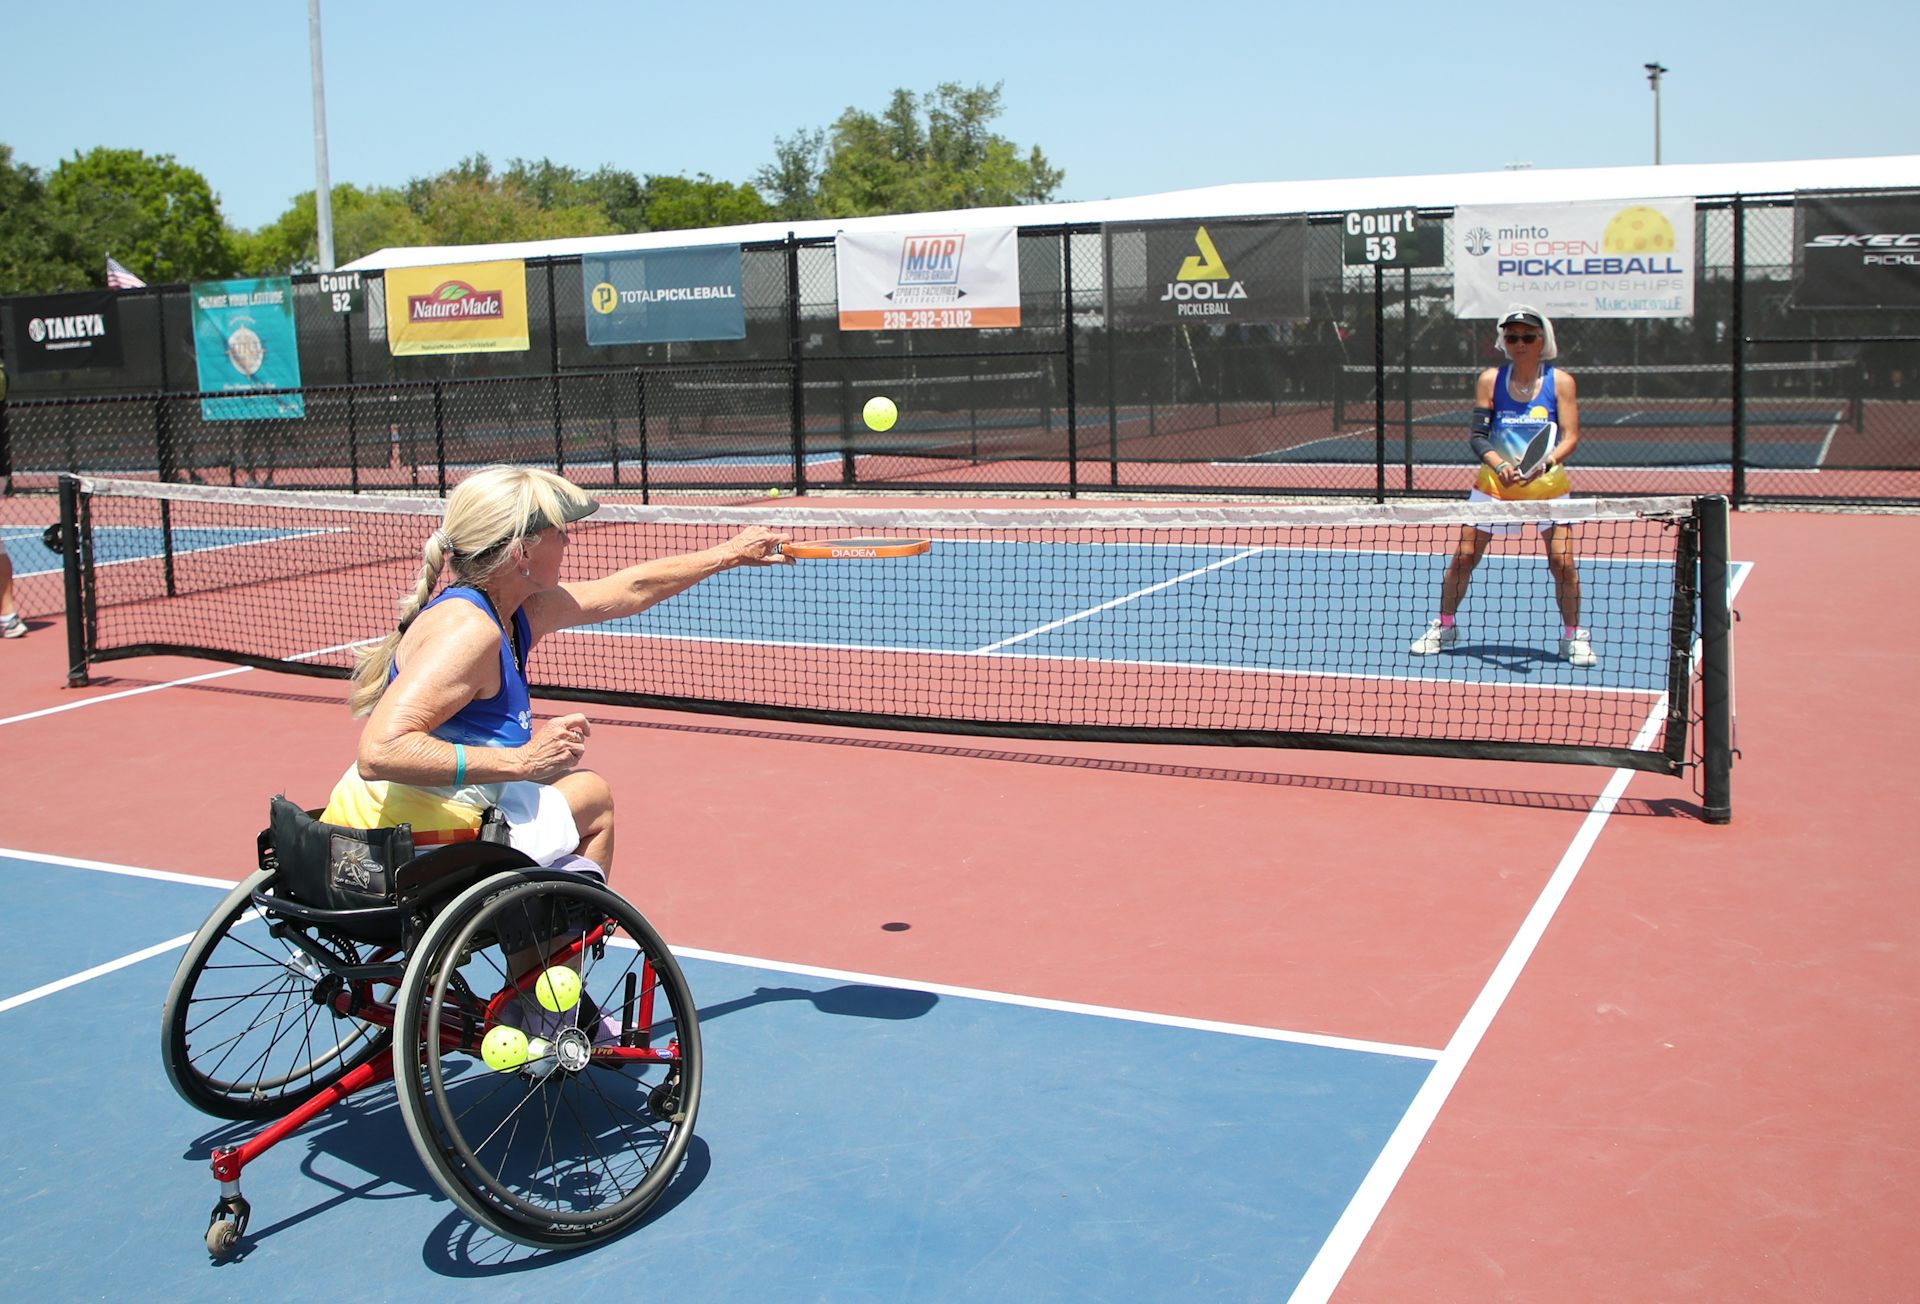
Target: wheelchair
(551,1111)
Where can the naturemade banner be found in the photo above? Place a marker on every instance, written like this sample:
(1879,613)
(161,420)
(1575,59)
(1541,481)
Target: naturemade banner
(1613,258)
(659,296)
(457,308)
(1213,273)
(1856,251)
(244,339)
(63,332)
(957,280)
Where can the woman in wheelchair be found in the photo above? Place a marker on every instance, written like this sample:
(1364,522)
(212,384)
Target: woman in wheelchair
(542,1038)
(449,730)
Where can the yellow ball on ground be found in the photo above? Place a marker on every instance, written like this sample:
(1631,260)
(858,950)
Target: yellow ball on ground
(504,1049)
(880,413)
(557,989)
(774,492)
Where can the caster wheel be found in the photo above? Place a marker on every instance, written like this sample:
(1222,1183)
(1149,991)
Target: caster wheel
(223,1238)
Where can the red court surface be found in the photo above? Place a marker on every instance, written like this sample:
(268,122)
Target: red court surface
(1688,1079)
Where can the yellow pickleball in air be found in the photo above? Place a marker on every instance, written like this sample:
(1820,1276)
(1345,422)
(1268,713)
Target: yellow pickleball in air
(1638,230)
(880,413)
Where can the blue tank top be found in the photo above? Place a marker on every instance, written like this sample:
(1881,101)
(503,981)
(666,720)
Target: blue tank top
(1515,423)
(506,718)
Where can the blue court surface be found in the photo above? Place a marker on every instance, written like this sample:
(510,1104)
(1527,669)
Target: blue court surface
(858,1140)
(1805,451)
(119,543)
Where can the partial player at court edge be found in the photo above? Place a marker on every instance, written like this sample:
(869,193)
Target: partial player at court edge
(1526,424)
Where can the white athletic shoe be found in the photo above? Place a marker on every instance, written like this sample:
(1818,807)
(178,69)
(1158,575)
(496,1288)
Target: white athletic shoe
(1578,650)
(1437,636)
(11,626)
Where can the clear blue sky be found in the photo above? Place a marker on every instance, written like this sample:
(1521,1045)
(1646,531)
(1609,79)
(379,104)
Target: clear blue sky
(1128,97)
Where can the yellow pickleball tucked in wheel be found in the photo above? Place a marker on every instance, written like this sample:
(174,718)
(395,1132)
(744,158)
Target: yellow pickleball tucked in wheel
(504,1049)
(557,989)
(880,413)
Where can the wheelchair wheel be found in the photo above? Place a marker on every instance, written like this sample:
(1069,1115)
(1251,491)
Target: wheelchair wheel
(572,1145)
(241,1033)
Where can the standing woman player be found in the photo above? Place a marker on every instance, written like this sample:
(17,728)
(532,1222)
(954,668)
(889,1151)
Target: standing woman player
(1509,404)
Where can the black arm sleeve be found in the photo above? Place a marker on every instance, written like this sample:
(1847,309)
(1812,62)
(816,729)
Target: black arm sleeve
(1481,430)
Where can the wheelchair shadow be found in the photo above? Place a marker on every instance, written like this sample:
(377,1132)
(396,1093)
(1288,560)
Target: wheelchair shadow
(850,1001)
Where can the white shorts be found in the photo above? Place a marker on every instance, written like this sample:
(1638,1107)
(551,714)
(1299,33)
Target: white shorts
(539,821)
(1543,527)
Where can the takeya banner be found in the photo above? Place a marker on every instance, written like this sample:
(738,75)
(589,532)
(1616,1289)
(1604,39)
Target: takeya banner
(64,332)
(1214,273)
(244,339)
(660,296)
(928,280)
(1856,251)
(1611,258)
(457,308)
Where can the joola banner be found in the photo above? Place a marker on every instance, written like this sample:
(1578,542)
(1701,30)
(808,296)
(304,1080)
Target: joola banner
(243,339)
(1217,272)
(662,295)
(62,332)
(955,280)
(1856,251)
(1614,258)
(458,308)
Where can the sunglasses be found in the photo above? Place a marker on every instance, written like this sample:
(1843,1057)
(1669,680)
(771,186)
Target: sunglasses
(1523,339)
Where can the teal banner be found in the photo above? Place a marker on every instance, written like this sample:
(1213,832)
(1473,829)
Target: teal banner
(244,339)
(663,296)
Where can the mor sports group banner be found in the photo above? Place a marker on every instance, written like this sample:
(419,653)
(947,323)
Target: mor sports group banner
(244,339)
(457,308)
(664,295)
(1619,258)
(1856,251)
(954,280)
(64,332)
(1207,273)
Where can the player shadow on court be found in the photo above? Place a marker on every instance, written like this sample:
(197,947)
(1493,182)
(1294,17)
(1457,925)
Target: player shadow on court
(1512,658)
(851,1001)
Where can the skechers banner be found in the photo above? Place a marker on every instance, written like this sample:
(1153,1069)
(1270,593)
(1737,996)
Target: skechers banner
(1207,273)
(243,339)
(663,295)
(1613,258)
(60,332)
(956,280)
(1856,251)
(457,308)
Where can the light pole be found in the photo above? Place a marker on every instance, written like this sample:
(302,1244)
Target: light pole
(323,185)
(1653,79)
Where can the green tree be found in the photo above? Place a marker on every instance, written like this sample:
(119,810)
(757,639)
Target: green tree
(28,263)
(154,214)
(919,154)
(691,203)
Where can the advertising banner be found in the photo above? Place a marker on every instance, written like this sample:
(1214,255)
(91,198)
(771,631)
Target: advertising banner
(1856,251)
(457,308)
(1220,272)
(62,332)
(1612,258)
(244,339)
(660,296)
(960,280)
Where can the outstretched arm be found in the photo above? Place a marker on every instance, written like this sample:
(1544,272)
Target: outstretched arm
(627,592)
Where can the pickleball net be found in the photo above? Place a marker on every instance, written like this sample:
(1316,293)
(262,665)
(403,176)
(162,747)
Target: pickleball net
(1277,626)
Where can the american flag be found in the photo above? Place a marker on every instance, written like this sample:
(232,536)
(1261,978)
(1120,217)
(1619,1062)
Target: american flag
(119,278)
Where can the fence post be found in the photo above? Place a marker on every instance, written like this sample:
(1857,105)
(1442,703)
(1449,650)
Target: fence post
(797,408)
(1073,407)
(1738,332)
(440,437)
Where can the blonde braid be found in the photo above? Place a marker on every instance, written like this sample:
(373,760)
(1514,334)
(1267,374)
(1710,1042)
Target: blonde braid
(372,665)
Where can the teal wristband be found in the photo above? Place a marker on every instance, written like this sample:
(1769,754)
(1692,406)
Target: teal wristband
(459,765)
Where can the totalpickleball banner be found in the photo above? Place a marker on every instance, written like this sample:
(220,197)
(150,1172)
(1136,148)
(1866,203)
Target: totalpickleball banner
(244,339)
(457,308)
(953,280)
(660,296)
(1614,258)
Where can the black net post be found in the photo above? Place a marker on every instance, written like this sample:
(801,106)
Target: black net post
(1716,663)
(70,573)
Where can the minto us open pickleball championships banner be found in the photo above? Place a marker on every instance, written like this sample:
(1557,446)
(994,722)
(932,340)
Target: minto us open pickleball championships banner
(955,280)
(658,296)
(457,308)
(244,339)
(1614,258)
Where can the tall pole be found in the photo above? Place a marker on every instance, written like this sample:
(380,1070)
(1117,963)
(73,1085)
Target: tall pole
(1653,79)
(322,186)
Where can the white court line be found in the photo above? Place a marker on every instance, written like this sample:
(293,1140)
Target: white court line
(171,683)
(1336,1255)
(776,966)
(1122,599)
